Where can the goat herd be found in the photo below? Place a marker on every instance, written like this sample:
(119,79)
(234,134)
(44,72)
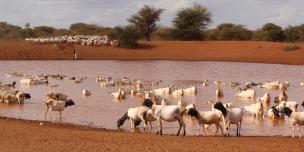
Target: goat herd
(156,107)
(85,40)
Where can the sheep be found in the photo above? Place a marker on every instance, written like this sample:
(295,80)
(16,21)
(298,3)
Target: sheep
(190,91)
(219,93)
(157,99)
(271,85)
(178,93)
(218,82)
(163,91)
(86,92)
(207,117)
(282,96)
(296,118)
(234,84)
(21,96)
(232,116)
(166,113)
(265,99)
(14,97)
(250,94)
(273,113)
(255,109)
(86,40)
(31,81)
(293,105)
(8,85)
(56,96)
(9,98)
(57,105)
(136,115)
(120,94)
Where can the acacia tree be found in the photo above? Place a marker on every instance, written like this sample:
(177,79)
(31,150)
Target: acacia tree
(190,22)
(145,20)
(270,32)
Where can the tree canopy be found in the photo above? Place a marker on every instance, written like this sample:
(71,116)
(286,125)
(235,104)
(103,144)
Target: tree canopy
(145,20)
(190,22)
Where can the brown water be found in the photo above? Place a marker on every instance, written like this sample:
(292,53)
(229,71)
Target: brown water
(99,110)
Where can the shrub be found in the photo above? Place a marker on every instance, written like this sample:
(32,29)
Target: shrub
(127,36)
(292,48)
(270,32)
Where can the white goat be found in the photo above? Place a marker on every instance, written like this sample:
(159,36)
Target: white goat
(56,105)
(208,118)
(190,91)
(255,109)
(250,94)
(167,113)
(265,99)
(163,91)
(296,118)
(178,93)
(86,92)
(136,115)
(232,116)
(219,93)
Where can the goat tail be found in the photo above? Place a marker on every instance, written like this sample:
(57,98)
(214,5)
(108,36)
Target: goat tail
(122,120)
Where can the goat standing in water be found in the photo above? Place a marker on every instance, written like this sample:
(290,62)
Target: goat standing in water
(166,113)
(56,105)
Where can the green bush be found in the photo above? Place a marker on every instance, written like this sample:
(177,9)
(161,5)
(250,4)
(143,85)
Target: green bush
(127,36)
(270,32)
(162,33)
(228,31)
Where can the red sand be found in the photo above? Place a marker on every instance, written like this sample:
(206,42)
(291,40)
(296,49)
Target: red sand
(29,136)
(237,51)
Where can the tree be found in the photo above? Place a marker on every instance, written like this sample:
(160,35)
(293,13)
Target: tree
(27,25)
(270,32)
(190,22)
(292,34)
(229,31)
(127,36)
(44,31)
(145,20)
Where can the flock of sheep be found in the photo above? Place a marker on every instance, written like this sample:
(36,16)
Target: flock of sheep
(157,107)
(85,40)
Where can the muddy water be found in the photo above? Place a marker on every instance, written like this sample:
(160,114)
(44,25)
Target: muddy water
(99,110)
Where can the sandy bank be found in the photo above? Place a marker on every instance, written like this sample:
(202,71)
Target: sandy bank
(29,136)
(237,51)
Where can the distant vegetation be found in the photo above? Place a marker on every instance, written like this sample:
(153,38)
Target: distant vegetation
(292,48)
(190,23)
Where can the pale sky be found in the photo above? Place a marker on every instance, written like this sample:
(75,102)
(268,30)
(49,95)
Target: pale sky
(61,13)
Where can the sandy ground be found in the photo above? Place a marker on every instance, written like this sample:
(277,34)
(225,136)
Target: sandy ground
(29,136)
(239,51)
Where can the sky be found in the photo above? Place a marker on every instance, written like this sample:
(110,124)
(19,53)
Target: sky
(61,13)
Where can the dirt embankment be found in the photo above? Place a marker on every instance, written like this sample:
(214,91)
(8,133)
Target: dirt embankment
(29,136)
(238,51)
